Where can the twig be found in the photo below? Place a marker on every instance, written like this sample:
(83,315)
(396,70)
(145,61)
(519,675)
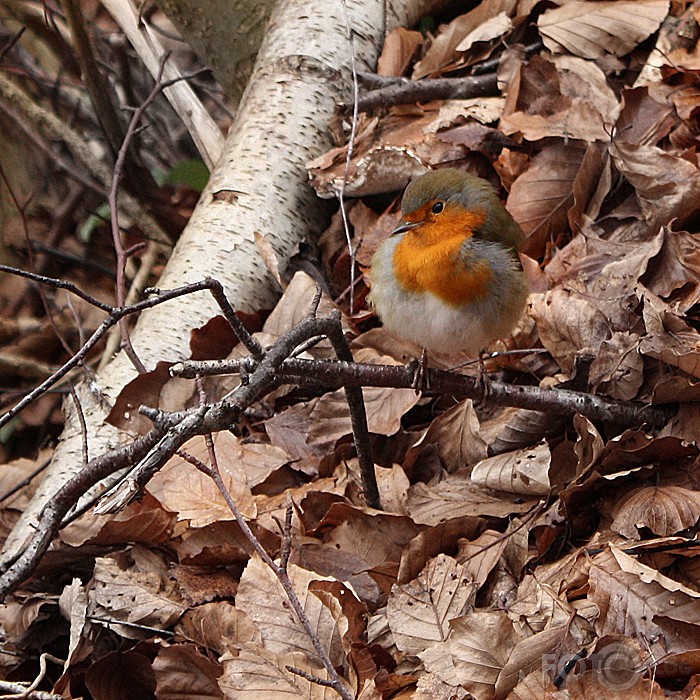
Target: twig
(53,512)
(218,416)
(394,91)
(83,424)
(310,677)
(115,315)
(386,91)
(280,573)
(333,375)
(358,420)
(19,691)
(29,691)
(349,155)
(132,625)
(121,253)
(98,88)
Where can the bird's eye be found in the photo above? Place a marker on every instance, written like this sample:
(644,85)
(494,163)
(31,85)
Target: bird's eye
(438,207)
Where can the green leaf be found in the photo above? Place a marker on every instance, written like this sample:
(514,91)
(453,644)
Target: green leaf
(189,172)
(96,219)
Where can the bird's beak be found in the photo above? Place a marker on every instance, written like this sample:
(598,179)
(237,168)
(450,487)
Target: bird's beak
(405,226)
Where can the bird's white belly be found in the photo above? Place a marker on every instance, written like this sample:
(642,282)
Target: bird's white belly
(427,320)
(431,323)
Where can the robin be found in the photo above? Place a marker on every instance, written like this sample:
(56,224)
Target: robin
(449,277)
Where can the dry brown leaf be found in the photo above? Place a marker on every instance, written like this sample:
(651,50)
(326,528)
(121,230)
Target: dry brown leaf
(17,617)
(429,687)
(289,430)
(563,97)
(217,626)
(13,474)
(635,448)
(475,654)
(256,673)
(330,418)
(667,186)
(181,488)
(156,389)
(605,270)
(419,612)
(492,28)
(480,556)
(568,324)
(393,486)
(263,599)
(541,197)
(375,539)
(221,543)
(294,307)
(618,368)
(399,47)
(455,497)
(540,606)
(141,521)
(442,51)
(589,445)
(529,654)
(631,597)
(327,560)
(525,472)
(665,510)
(536,686)
(674,273)
(430,542)
(130,595)
(645,118)
(669,338)
(183,672)
(456,434)
(592,29)
(121,675)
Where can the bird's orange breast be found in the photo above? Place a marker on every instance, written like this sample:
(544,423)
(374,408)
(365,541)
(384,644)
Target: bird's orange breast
(430,259)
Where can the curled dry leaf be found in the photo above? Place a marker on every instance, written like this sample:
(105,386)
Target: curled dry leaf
(667,185)
(568,324)
(562,97)
(592,29)
(399,47)
(674,273)
(665,510)
(525,472)
(632,597)
(669,338)
(183,671)
(442,51)
(455,497)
